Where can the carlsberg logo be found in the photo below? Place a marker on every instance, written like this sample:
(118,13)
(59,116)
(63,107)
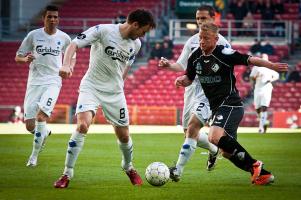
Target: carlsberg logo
(47,51)
(116,54)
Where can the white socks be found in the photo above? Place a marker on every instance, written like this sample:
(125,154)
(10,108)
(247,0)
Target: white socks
(186,152)
(262,119)
(39,135)
(203,142)
(75,145)
(127,154)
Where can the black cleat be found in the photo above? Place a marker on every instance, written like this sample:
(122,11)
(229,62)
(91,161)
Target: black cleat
(174,177)
(212,160)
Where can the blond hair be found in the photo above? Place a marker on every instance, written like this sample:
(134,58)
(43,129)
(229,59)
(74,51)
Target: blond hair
(209,26)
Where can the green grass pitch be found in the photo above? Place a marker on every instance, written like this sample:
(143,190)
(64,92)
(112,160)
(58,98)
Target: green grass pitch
(98,174)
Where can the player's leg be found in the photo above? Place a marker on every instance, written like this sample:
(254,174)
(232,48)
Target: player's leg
(115,110)
(187,149)
(86,108)
(265,103)
(31,107)
(42,100)
(30,125)
(202,111)
(226,122)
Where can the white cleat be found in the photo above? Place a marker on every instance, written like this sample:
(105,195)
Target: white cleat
(32,162)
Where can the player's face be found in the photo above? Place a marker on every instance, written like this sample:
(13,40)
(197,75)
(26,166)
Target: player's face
(138,31)
(208,40)
(203,16)
(51,19)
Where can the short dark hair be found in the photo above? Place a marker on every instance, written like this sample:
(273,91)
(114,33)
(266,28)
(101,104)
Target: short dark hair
(143,17)
(208,8)
(50,8)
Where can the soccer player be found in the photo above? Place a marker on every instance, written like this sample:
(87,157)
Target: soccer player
(196,109)
(263,78)
(214,66)
(113,50)
(43,49)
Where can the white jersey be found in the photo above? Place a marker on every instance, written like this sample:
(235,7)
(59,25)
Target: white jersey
(264,76)
(47,50)
(192,44)
(110,54)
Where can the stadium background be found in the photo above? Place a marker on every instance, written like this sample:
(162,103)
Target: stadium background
(150,92)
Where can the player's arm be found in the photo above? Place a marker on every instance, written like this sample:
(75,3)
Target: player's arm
(69,61)
(126,71)
(24,53)
(281,67)
(187,79)
(24,59)
(165,64)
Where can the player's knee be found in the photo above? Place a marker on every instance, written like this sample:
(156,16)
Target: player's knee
(124,139)
(41,116)
(264,108)
(212,139)
(83,127)
(30,126)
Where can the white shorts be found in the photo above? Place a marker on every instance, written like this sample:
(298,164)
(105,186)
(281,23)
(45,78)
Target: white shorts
(262,99)
(195,103)
(41,97)
(113,104)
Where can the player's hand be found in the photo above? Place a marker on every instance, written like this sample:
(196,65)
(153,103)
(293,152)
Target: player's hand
(164,63)
(280,67)
(29,58)
(182,81)
(65,72)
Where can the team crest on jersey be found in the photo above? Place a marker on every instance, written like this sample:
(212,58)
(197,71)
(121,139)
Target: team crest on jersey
(81,36)
(116,54)
(219,117)
(215,67)
(198,68)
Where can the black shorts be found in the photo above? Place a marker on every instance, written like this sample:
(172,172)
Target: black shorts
(228,118)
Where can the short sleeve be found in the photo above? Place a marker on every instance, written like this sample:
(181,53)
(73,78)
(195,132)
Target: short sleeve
(190,70)
(232,57)
(254,72)
(89,36)
(26,46)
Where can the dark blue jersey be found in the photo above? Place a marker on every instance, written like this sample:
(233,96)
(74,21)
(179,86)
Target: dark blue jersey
(216,74)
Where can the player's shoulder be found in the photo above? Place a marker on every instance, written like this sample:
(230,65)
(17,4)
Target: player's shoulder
(36,31)
(137,42)
(222,41)
(221,50)
(62,34)
(193,40)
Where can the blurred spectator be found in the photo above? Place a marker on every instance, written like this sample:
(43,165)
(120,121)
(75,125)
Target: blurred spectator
(239,12)
(260,6)
(246,74)
(248,23)
(16,116)
(267,48)
(267,13)
(156,52)
(121,18)
(278,7)
(279,26)
(293,75)
(256,47)
(169,41)
(167,51)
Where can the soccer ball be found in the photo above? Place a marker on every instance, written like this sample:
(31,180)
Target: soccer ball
(157,174)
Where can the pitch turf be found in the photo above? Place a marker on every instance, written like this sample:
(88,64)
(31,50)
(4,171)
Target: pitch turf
(98,174)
